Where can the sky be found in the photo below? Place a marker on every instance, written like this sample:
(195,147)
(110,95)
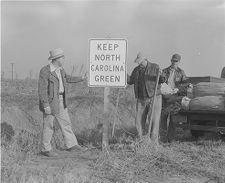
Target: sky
(195,29)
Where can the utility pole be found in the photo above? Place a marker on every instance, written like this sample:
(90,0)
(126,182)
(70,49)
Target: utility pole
(12,70)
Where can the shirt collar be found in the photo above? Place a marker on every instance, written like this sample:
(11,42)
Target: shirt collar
(175,69)
(53,68)
(142,66)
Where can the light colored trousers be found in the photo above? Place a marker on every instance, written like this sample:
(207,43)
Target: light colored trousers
(65,125)
(143,108)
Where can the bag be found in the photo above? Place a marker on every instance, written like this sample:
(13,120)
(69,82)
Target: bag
(185,102)
(167,90)
(209,89)
(208,103)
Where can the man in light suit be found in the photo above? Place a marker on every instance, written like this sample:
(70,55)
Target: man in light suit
(53,91)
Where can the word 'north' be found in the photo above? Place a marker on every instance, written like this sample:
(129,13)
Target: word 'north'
(107,57)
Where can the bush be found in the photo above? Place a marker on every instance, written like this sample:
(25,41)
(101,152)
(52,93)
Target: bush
(7,133)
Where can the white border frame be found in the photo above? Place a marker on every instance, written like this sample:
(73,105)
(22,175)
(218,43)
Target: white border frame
(89,41)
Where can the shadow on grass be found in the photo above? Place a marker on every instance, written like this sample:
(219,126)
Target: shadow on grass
(94,137)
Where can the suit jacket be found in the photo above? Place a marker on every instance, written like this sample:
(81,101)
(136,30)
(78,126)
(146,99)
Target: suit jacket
(150,79)
(48,88)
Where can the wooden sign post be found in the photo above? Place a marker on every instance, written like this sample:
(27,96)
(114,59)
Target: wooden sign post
(107,61)
(105,134)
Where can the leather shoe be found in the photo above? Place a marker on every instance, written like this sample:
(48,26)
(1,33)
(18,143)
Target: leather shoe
(75,148)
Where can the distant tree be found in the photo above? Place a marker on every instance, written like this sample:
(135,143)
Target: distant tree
(73,69)
(36,76)
(30,74)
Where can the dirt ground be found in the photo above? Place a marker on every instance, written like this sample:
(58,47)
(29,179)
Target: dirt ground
(79,161)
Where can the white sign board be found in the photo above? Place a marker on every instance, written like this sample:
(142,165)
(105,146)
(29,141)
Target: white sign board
(107,63)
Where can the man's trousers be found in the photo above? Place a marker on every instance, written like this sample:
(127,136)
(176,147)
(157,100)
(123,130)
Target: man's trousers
(143,108)
(65,124)
(167,128)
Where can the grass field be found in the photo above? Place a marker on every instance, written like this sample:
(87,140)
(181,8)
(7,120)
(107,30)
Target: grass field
(127,160)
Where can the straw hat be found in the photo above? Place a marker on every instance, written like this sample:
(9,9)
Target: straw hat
(56,53)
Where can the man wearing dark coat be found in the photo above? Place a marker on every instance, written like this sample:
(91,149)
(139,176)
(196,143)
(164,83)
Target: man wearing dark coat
(174,78)
(144,79)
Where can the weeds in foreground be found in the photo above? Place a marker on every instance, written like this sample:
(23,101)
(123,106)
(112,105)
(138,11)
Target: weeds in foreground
(126,161)
(144,161)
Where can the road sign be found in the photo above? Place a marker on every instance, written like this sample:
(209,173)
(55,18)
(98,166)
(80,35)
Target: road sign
(107,63)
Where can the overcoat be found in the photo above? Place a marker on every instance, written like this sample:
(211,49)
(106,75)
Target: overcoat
(48,88)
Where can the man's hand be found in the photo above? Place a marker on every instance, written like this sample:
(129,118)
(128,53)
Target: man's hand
(85,76)
(160,71)
(47,110)
(175,90)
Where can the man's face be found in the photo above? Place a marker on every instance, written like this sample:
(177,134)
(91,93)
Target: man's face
(140,60)
(137,60)
(60,61)
(175,63)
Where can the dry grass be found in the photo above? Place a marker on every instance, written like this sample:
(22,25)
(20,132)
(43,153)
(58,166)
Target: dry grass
(130,161)
(178,162)
(126,161)
(21,163)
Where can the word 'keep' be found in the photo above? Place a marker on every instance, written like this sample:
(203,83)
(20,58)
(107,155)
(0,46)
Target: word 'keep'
(106,47)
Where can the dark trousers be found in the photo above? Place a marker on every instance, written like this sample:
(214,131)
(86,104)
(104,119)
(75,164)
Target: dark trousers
(167,128)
